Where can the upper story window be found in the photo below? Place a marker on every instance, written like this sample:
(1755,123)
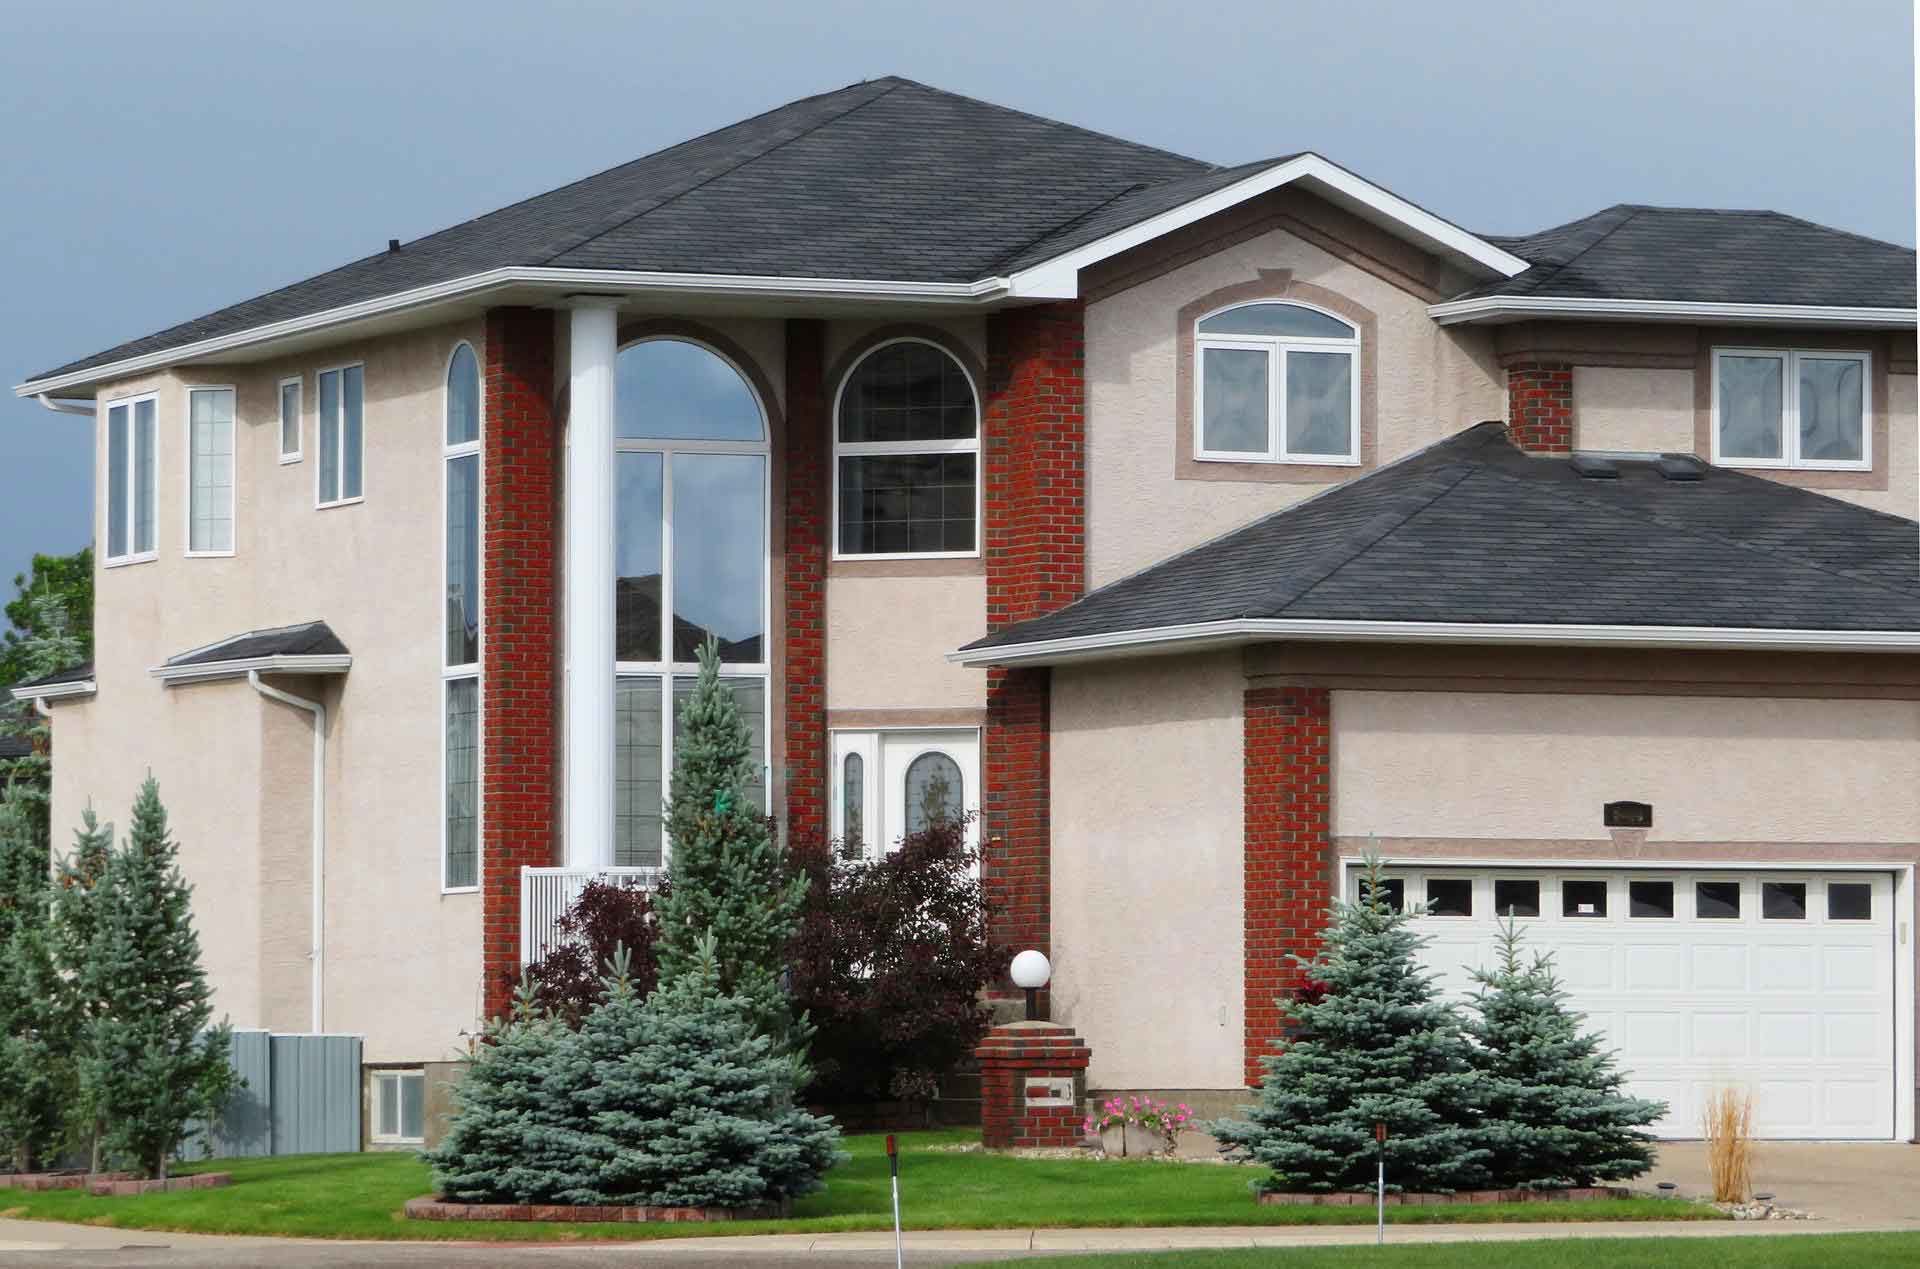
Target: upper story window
(133,474)
(342,404)
(1276,383)
(210,471)
(460,630)
(291,392)
(907,455)
(1780,407)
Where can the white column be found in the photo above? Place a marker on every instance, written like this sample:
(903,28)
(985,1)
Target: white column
(589,584)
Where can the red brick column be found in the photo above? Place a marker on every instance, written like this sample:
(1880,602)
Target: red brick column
(520,648)
(1288,836)
(1033,1082)
(1035,539)
(804,559)
(1540,407)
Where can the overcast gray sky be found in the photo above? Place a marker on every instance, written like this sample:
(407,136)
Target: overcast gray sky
(161,160)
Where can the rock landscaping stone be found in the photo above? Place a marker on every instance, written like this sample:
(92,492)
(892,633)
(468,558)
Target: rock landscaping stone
(1757,1211)
(432,1209)
(1349,1198)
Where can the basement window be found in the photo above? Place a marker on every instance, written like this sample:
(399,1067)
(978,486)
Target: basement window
(399,1107)
(1792,408)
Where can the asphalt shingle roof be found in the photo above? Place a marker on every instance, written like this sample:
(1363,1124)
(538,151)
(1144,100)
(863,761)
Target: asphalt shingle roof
(308,639)
(72,674)
(1706,256)
(1473,530)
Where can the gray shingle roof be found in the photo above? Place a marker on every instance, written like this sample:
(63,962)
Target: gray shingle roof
(1711,257)
(1472,530)
(72,674)
(887,179)
(308,639)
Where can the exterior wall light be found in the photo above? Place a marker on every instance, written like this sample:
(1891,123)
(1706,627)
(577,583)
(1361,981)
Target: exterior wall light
(1030,971)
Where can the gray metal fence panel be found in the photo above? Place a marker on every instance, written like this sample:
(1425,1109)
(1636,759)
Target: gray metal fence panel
(316,1094)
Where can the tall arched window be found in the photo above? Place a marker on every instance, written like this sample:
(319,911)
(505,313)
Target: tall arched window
(691,474)
(1276,383)
(460,622)
(907,454)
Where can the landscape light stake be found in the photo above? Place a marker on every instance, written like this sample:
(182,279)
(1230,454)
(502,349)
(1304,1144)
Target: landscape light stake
(893,1165)
(1380,1183)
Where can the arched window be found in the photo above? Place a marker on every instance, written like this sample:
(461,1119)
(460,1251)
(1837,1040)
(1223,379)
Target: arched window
(907,454)
(935,792)
(691,546)
(1276,383)
(460,626)
(853,804)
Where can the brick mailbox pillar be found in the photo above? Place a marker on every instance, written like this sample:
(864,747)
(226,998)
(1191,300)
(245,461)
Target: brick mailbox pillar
(1033,1081)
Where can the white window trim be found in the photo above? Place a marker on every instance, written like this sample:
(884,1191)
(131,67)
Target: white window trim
(340,439)
(871,449)
(667,670)
(1790,459)
(233,490)
(382,1080)
(450,674)
(106,528)
(1276,348)
(299,385)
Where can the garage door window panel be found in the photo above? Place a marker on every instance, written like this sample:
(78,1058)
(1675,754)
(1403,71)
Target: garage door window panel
(1392,892)
(1716,900)
(1450,896)
(1650,899)
(1584,900)
(1516,897)
(1783,901)
(1849,901)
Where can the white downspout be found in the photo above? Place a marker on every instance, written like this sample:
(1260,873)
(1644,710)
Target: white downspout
(43,709)
(319,713)
(65,407)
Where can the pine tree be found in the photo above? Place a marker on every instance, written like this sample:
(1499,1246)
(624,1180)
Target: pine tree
(517,1136)
(81,896)
(35,1061)
(1379,1047)
(729,877)
(689,1104)
(50,646)
(153,1051)
(1555,1112)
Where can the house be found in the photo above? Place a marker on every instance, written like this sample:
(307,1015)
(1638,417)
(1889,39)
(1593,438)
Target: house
(1203,528)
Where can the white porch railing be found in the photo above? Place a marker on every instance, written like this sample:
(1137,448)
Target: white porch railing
(547,893)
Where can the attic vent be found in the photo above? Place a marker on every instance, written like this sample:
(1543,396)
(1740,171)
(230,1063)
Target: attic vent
(1593,467)
(1681,467)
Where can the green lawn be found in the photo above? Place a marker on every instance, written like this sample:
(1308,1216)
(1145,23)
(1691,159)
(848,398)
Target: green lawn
(360,1195)
(1816,1251)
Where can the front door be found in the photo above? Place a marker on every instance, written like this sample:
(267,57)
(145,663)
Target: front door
(887,784)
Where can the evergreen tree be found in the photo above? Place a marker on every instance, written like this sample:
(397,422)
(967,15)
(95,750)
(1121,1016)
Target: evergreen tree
(68,581)
(1555,1112)
(516,1136)
(48,646)
(35,1061)
(1379,1047)
(729,877)
(81,895)
(152,1051)
(689,1104)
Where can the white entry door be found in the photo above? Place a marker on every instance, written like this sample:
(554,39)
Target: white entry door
(887,784)
(1777,982)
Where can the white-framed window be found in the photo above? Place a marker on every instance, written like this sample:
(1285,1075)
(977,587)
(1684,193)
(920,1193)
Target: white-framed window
(691,559)
(133,479)
(906,455)
(340,422)
(210,441)
(1792,408)
(292,392)
(399,1107)
(1276,382)
(460,624)
(893,782)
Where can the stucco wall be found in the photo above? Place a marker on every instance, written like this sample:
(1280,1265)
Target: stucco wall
(1901,497)
(887,640)
(1499,766)
(1146,873)
(402,960)
(1432,382)
(1633,409)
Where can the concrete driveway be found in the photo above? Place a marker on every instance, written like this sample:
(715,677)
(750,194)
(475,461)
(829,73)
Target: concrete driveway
(1857,1183)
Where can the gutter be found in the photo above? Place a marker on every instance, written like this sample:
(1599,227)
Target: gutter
(66,407)
(1512,308)
(316,955)
(206,671)
(1260,629)
(55,691)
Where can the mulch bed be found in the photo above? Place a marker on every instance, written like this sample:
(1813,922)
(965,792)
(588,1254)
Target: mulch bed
(1459,1196)
(432,1209)
(112,1184)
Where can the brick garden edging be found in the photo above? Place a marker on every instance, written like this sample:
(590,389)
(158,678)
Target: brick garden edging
(1349,1199)
(432,1209)
(112,1184)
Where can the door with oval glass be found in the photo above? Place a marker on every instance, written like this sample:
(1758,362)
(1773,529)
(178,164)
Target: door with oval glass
(887,784)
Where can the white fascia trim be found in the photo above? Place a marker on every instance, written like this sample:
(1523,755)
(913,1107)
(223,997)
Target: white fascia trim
(560,281)
(1058,278)
(207,670)
(1246,630)
(55,691)
(1494,308)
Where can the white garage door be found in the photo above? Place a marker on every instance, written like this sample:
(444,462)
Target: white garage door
(1779,982)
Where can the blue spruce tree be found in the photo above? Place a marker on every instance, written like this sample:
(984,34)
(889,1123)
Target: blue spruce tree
(1380,1047)
(36,1070)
